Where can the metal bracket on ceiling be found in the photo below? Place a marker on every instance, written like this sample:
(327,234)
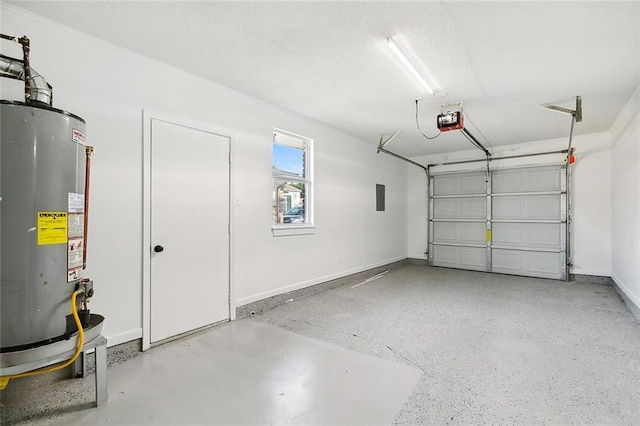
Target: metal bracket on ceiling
(381,144)
(576,118)
(577,113)
(446,107)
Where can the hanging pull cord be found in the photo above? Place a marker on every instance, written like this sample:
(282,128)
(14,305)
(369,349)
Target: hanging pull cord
(488,168)
(418,124)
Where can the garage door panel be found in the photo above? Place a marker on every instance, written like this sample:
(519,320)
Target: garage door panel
(506,261)
(533,179)
(526,207)
(460,257)
(544,179)
(528,263)
(460,184)
(546,236)
(460,232)
(460,208)
(526,214)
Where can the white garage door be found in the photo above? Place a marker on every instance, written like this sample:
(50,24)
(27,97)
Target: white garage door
(513,223)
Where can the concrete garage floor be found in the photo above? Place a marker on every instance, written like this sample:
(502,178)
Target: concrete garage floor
(492,348)
(417,346)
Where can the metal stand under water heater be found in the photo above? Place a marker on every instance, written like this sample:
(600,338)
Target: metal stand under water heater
(45,162)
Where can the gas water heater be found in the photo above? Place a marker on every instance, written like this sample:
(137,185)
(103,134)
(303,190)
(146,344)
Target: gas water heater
(44,180)
(42,221)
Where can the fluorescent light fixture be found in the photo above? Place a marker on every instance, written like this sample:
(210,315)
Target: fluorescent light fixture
(419,78)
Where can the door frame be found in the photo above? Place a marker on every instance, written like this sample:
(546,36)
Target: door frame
(148,117)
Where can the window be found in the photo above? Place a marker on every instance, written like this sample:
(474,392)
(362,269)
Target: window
(292,169)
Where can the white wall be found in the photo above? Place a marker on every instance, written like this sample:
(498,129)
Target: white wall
(591,238)
(110,87)
(626,199)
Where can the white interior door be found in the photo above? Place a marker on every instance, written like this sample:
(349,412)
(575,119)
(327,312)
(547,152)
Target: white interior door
(189,208)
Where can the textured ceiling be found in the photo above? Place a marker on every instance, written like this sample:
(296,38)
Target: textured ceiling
(329,60)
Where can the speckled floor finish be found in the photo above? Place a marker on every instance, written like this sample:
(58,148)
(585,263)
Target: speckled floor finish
(417,346)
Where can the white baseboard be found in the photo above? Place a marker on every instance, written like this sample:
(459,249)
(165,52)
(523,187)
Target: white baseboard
(635,299)
(417,256)
(127,336)
(274,292)
(590,272)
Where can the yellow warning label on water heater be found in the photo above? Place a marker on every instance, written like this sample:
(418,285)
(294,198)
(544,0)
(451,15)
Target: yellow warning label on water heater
(52,228)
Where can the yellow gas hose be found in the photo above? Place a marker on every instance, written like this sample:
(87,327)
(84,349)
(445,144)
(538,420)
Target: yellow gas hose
(5,379)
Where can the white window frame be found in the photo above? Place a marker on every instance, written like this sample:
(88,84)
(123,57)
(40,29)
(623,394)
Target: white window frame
(308,227)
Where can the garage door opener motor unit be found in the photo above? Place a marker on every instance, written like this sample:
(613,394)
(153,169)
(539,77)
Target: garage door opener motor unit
(451,120)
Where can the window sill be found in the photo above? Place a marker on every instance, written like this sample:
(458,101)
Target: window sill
(286,230)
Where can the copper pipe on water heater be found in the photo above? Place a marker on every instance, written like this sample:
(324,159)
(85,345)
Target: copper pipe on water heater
(87,180)
(26,48)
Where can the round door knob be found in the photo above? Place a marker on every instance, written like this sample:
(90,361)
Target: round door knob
(158,249)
